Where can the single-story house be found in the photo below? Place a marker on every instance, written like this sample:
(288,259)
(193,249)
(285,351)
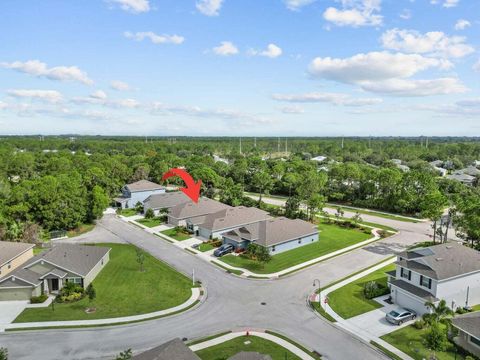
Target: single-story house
(178,215)
(468,326)
(13,254)
(49,271)
(173,349)
(212,226)
(276,234)
(137,192)
(158,202)
(448,271)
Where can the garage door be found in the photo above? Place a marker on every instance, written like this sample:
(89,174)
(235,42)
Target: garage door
(15,294)
(409,302)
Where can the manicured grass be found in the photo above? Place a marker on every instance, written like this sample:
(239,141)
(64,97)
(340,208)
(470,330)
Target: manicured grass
(205,247)
(318,308)
(122,290)
(410,340)
(177,235)
(127,212)
(151,222)
(373,213)
(349,301)
(387,352)
(476,307)
(230,271)
(332,238)
(206,338)
(82,229)
(301,347)
(234,346)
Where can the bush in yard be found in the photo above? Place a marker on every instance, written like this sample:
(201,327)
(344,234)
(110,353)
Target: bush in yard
(383,233)
(3,353)
(38,299)
(70,292)
(419,324)
(371,290)
(91,293)
(149,214)
(436,338)
(125,355)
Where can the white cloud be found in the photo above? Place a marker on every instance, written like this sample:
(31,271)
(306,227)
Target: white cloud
(435,43)
(333,98)
(405,14)
(51,96)
(99,97)
(40,69)
(355,13)
(159,108)
(209,7)
(476,66)
(387,73)
(119,85)
(462,24)
(462,108)
(292,110)
(272,51)
(226,48)
(445,3)
(99,94)
(133,6)
(155,38)
(295,5)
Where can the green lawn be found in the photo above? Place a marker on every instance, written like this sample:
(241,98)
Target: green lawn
(123,290)
(82,229)
(177,235)
(348,301)
(234,346)
(128,212)
(205,247)
(332,238)
(373,213)
(411,341)
(151,222)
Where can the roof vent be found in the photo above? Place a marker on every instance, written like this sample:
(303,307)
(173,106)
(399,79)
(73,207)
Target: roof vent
(439,259)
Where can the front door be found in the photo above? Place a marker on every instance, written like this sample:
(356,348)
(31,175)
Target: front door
(54,285)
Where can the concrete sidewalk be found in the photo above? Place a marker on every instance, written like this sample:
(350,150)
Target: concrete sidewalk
(43,324)
(360,330)
(221,339)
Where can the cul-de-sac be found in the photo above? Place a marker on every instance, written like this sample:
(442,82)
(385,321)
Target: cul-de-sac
(240,180)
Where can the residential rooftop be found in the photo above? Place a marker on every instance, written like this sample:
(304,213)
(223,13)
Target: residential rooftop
(10,250)
(469,323)
(143,185)
(190,209)
(233,217)
(442,261)
(173,349)
(166,200)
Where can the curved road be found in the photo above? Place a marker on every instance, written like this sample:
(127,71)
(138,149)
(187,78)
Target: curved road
(231,303)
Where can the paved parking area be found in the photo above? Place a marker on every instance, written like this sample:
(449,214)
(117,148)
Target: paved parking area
(374,321)
(9,311)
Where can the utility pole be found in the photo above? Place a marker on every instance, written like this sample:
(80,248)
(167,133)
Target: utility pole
(240,146)
(426,143)
(286,146)
(278,145)
(255,142)
(342,141)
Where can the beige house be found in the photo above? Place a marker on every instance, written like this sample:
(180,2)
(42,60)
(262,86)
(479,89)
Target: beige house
(48,272)
(12,255)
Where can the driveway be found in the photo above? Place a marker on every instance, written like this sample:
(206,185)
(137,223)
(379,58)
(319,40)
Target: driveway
(374,321)
(9,311)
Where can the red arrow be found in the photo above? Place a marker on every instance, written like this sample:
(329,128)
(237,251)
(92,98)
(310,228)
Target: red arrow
(192,189)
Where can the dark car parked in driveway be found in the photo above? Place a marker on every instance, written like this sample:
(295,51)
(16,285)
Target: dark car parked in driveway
(223,250)
(399,316)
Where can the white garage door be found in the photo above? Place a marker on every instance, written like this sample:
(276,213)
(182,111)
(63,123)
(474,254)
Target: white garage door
(409,302)
(15,294)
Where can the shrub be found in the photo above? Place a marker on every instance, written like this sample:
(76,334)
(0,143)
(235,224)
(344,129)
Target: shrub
(38,299)
(436,338)
(71,288)
(149,214)
(372,290)
(3,353)
(460,310)
(419,324)
(383,233)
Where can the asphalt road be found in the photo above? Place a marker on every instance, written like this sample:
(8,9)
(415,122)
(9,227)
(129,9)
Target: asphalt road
(231,303)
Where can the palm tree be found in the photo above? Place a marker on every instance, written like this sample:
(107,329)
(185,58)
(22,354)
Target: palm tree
(440,313)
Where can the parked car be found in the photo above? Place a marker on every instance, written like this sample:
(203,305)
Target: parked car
(195,246)
(223,250)
(400,315)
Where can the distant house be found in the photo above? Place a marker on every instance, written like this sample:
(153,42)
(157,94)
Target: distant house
(13,254)
(276,234)
(194,212)
(217,158)
(137,192)
(49,271)
(212,226)
(448,271)
(319,158)
(468,326)
(173,349)
(158,202)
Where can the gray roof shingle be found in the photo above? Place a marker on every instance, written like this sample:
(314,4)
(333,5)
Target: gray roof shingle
(10,250)
(172,350)
(233,217)
(166,200)
(143,185)
(414,290)
(469,323)
(190,209)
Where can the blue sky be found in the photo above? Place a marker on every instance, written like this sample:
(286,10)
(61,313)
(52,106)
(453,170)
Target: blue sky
(240,67)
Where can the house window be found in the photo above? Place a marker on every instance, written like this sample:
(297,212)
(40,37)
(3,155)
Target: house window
(77,280)
(425,282)
(475,340)
(406,274)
